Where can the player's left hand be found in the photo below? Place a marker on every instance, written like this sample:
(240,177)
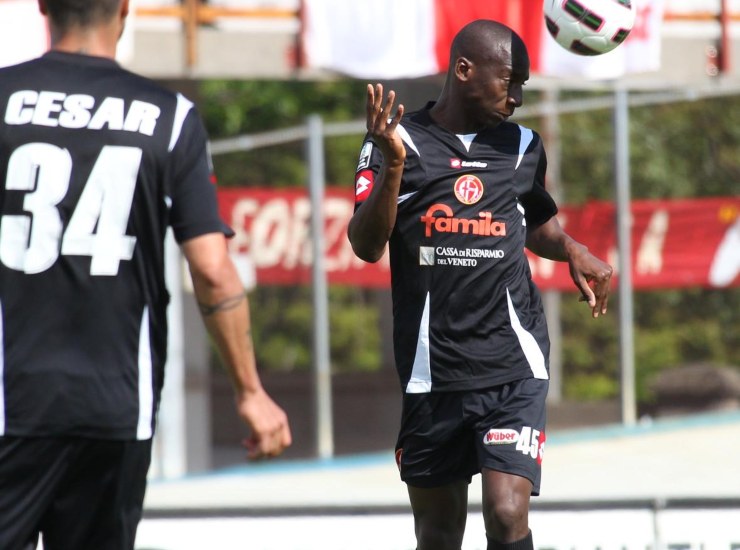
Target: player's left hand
(592,277)
(269,429)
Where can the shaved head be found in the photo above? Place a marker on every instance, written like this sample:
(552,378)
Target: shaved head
(486,41)
(489,65)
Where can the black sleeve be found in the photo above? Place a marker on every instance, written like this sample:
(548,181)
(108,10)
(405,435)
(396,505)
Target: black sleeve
(194,209)
(367,169)
(538,205)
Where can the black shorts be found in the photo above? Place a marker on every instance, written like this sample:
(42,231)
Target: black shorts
(79,494)
(449,436)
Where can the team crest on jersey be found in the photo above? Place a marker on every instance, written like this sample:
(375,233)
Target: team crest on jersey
(363,184)
(468,189)
(364,162)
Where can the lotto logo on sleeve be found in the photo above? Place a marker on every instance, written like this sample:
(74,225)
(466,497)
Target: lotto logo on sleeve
(363,185)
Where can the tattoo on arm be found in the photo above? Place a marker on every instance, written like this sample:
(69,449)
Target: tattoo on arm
(223,305)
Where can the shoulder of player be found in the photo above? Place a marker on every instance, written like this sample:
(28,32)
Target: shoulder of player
(526,137)
(417,125)
(511,127)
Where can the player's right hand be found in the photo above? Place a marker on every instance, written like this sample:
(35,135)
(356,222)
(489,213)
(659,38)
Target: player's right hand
(269,429)
(382,127)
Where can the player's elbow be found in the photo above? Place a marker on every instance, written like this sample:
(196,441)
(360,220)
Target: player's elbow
(364,249)
(211,267)
(368,255)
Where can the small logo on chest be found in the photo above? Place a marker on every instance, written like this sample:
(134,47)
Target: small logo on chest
(459,163)
(468,189)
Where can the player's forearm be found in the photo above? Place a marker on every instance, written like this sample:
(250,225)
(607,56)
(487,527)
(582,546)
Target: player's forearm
(372,224)
(225,312)
(551,242)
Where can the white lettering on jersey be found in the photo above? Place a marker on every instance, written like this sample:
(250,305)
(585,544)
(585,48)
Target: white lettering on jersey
(110,114)
(75,111)
(32,242)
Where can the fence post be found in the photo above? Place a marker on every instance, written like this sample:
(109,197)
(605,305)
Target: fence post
(321,357)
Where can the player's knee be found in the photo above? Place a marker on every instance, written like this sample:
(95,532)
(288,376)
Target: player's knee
(505,517)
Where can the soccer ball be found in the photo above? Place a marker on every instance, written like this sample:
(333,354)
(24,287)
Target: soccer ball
(589,27)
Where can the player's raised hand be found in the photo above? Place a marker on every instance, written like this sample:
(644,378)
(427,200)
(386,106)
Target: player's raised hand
(269,430)
(382,127)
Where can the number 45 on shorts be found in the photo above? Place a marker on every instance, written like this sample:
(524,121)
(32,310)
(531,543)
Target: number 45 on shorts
(531,442)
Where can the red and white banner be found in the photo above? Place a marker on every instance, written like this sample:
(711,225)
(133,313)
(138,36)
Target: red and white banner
(675,243)
(411,38)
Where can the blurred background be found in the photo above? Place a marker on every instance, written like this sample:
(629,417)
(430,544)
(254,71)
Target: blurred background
(644,158)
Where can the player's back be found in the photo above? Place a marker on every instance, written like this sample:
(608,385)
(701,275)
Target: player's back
(87,151)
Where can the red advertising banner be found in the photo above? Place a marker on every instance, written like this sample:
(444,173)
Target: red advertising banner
(675,243)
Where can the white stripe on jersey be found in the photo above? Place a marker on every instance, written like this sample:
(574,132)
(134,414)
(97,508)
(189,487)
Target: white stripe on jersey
(2,371)
(421,373)
(183,108)
(146,389)
(402,198)
(467,140)
(531,349)
(524,141)
(407,138)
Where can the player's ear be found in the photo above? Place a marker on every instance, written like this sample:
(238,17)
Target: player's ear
(42,7)
(463,67)
(124,8)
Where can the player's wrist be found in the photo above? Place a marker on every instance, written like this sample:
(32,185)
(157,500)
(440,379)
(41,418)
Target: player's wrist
(574,249)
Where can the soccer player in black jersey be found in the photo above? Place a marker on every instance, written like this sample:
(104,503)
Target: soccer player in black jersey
(457,192)
(95,164)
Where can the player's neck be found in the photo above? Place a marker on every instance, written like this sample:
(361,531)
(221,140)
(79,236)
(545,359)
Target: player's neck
(99,42)
(448,116)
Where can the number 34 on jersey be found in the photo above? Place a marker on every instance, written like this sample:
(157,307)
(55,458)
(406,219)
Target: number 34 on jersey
(31,242)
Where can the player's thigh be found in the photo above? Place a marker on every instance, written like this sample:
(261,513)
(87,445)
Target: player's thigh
(510,432)
(101,503)
(434,447)
(30,471)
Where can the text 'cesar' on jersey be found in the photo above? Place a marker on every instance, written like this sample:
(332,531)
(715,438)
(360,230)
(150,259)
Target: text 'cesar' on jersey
(34,238)
(76,111)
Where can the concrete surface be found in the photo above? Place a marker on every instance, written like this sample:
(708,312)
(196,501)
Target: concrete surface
(680,458)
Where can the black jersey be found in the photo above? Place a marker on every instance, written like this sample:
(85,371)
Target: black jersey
(466,312)
(95,163)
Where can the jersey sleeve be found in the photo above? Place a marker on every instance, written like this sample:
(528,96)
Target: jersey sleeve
(368,167)
(538,205)
(194,210)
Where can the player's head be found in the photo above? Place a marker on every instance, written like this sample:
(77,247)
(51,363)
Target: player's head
(489,64)
(81,14)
